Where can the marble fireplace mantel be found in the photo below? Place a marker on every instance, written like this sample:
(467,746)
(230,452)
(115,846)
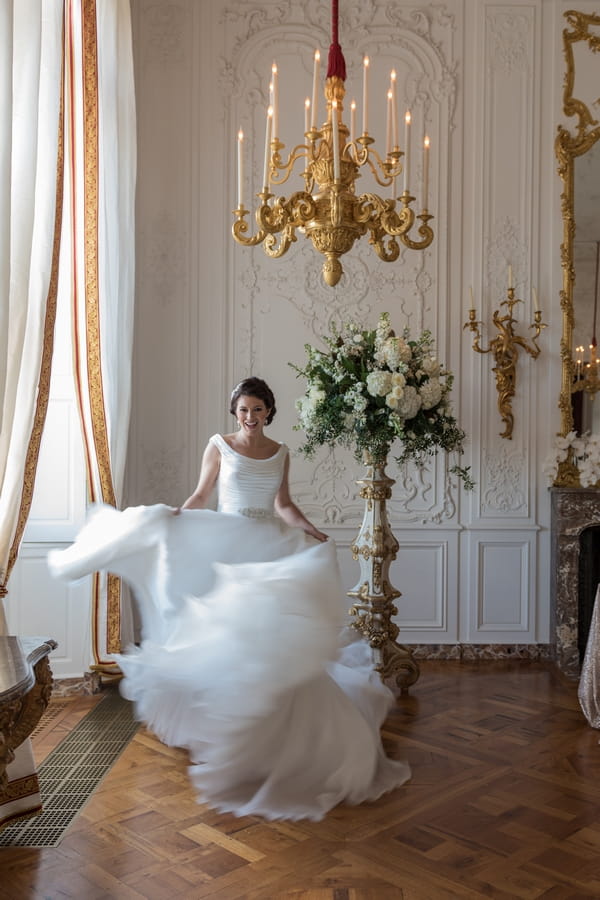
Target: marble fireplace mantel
(573,510)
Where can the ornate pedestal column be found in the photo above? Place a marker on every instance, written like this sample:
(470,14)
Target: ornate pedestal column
(375,548)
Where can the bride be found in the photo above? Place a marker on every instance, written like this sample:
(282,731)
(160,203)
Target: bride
(242,660)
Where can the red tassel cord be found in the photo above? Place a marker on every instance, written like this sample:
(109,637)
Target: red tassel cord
(336,64)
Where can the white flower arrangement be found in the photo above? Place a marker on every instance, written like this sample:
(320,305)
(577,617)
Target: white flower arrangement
(370,388)
(582,450)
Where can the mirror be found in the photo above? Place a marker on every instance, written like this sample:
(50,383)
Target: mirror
(578,157)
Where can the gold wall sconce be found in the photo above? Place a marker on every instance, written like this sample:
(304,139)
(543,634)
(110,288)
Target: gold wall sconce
(505,347)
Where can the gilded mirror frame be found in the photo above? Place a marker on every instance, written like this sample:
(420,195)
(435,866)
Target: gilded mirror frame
(568,146)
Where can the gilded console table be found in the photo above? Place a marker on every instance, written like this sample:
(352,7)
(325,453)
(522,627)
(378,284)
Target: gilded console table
(25,688)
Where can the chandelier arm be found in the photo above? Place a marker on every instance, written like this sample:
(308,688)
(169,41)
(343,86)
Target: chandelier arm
(397,223)
(424,230)
(239,230)
(300,151)
(283,218)
(390,171)
(274,249)
(378,242)
(368,207)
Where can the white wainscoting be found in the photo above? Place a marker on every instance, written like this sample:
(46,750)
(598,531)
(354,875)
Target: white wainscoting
(502,572)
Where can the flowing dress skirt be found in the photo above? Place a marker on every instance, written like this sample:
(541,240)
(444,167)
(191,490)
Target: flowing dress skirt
(240,661)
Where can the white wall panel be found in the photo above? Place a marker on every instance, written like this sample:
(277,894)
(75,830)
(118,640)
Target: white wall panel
(40,605)
(502,582)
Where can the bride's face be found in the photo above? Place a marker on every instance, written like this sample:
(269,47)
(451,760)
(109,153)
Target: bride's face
(251,414)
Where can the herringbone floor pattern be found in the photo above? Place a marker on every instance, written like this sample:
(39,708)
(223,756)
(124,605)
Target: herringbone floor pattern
(504,803)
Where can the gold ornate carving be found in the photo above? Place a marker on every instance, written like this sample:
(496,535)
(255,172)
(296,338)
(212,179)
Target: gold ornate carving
(375,548)
(568,146)
(19,717)
(505,347)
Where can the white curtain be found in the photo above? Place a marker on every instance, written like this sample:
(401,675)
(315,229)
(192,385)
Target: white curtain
(72,57)
(31,178)
(100,143)
(31,53)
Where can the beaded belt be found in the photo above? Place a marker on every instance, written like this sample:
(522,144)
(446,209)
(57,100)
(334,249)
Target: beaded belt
(254,512)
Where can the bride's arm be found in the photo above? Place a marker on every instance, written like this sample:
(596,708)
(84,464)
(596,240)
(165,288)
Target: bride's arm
(288,510)
(209,472)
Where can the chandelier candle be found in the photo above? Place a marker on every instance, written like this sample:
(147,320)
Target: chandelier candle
(336,141)
(267,147)
(275,102)
(394,115)
(315,94)
(388,142)
(406,149)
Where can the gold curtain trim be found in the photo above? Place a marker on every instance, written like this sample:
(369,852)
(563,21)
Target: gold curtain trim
(33,449)
(92,310)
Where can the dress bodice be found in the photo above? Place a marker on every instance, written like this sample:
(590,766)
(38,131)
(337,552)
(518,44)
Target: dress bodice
(248,486)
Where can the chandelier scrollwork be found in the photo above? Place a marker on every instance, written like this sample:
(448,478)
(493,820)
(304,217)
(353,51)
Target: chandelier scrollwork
(328,210)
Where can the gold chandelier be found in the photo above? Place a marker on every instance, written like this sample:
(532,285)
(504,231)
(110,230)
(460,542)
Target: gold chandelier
(328,211)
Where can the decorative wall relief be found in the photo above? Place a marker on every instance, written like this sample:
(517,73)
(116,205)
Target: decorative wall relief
(509,34)
(164,261)
(504,488)
(164,474)
(165,26)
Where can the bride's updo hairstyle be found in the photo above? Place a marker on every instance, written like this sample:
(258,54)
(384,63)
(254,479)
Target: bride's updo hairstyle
(254,387)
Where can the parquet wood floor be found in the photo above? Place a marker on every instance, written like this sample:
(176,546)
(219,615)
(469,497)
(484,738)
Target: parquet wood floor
(504,803)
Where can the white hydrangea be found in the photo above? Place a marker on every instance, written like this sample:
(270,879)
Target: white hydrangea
(379,383)
(431,393)
(395,352)
(431,366)
(395,395)
(410,404)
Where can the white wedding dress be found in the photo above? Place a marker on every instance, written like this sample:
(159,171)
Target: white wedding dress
(240,661)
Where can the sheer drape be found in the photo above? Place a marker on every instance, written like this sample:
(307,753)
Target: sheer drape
(31,54)
(101,183)
(31,179)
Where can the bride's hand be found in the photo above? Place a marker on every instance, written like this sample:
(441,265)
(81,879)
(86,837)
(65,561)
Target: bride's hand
(176,512)
(318,535)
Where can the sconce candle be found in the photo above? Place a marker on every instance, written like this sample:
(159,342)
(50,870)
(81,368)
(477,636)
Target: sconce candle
(535,300)
(365,94)
(425,172)
(510,278)
(353,121)
(472,309)
(240,168)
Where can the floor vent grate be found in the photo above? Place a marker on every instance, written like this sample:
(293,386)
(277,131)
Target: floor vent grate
(73,770)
